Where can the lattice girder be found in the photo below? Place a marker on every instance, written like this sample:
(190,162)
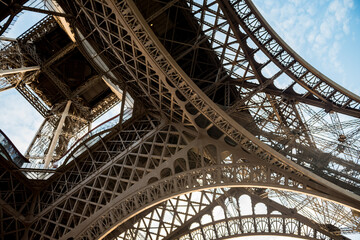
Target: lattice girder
(235,171)
(126,61)
(116,178)
(185,89)
(148,56)
(242,212)
(120,178)
(200,104)
(19,58)
(16,199)
(96,157)
(331,94)
(284,107)
(24,199)
(176,217)
(225,214)
(74,197)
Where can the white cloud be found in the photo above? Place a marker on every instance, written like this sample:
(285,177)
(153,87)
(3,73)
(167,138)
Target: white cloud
(19,120)
(314,29)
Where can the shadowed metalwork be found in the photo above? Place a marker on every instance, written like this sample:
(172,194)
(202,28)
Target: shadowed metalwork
(207,143)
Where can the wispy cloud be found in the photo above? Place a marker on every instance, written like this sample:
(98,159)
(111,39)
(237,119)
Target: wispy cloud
(19,120)
(314,29)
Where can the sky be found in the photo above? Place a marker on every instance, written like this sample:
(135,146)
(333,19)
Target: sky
(326,33)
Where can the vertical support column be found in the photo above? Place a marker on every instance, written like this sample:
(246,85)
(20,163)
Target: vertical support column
(37,135)
(123,99)
(57,134)
(89,126)
(121,94)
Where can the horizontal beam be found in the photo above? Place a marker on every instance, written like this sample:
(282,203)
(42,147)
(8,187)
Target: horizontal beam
(300,98)
(38,10)
(55,139)
(18,70)
(8,39)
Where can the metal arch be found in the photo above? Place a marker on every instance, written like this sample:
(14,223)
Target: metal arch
(87,183)
(336,97)
(93,192)
(128,16)
(217,229)
(99,228)
(177,217)
(207,175)
(234,225)
(202,103)
(343,178)
(287,64)
(338,175)
(248,146)
(116,174)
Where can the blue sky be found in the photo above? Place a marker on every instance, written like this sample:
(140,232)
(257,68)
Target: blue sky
(326,33)
(18,119)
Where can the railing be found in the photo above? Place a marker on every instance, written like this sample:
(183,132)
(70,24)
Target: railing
(45,24)
(39,29)
(38,171)
(317,84)
(14,154)
(108,124)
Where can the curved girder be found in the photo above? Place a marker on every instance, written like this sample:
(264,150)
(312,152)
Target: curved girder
(186,91)
(318,85)
(197,167)
(280,114)
(135,53)
(177,81)
(218,214)
(168,98)
(97,181)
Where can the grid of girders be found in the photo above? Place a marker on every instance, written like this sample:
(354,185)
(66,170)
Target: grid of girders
(215,116)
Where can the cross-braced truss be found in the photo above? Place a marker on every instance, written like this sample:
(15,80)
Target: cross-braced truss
(218,214)
(222,150)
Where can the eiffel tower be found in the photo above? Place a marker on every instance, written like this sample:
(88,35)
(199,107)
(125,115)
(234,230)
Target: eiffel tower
(207,143)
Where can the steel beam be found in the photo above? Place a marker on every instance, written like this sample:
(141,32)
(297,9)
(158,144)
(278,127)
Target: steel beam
(38,10)
(56,135)
(18,70)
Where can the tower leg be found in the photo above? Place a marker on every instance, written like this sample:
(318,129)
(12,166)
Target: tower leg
(57,134)
(122,107)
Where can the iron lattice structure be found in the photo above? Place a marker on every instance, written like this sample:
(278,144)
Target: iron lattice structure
(215,146)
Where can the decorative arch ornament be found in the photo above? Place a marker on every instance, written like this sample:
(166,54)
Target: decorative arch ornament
(212,173)
(217,216)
